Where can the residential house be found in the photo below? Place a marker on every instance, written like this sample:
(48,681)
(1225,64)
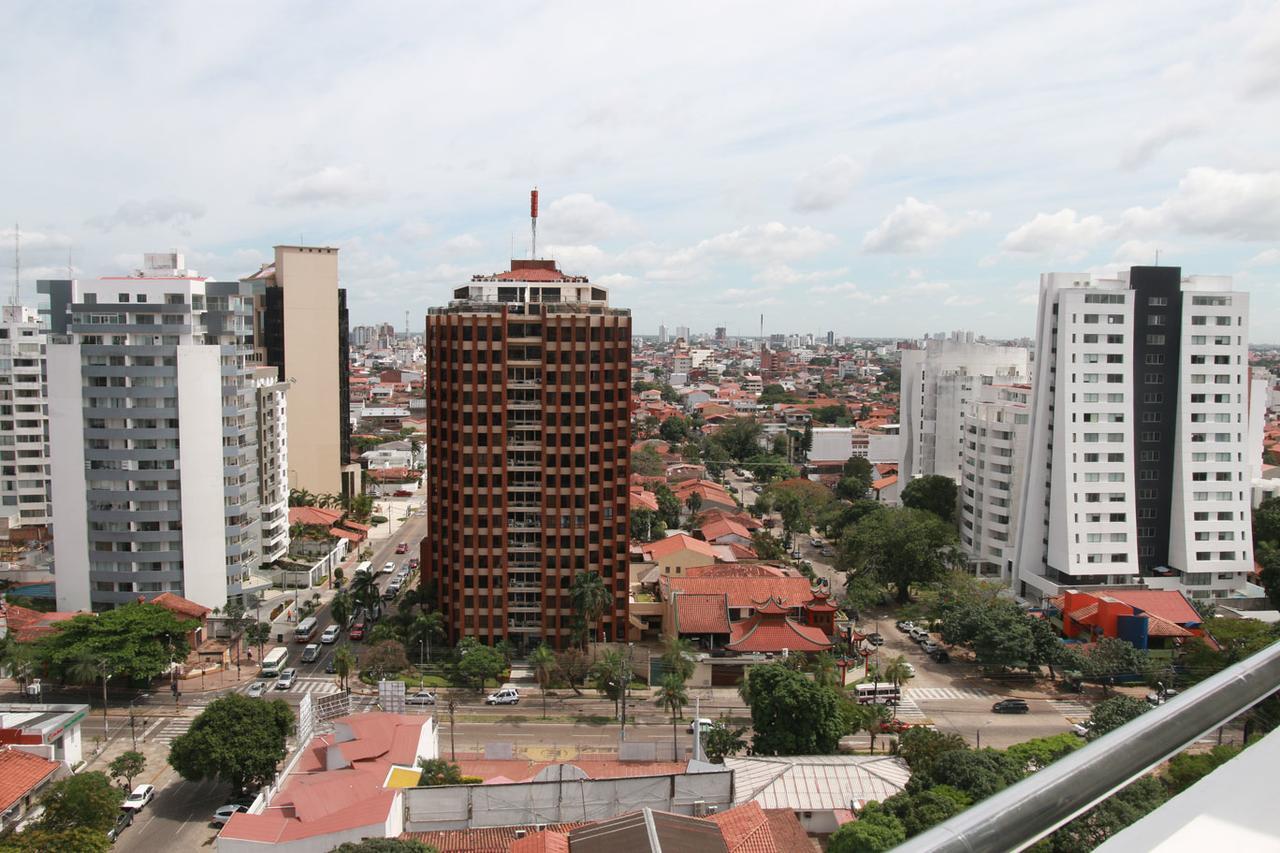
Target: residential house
(1147,618)
(822,791)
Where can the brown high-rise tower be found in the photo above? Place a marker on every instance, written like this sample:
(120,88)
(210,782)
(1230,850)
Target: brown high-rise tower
(528,433)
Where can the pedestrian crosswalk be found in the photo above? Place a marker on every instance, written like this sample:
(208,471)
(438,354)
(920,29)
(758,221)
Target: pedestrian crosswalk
(315,686)
(909,712)
(1070,707)
(933,694)
(166,730)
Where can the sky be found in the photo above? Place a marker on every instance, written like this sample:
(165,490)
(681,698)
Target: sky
(874,169)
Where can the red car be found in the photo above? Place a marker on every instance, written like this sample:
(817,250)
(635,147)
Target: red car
(895,727)
(357,631)
(402,493)
(402,548)
(413,563)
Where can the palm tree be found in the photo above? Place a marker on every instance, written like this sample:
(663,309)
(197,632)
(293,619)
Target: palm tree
(824,669)
(677,656)
(344,663)
(543,661)
(590,597)
(257,634)
(609,676)
(85,671)
(869,718)
(340,608)
(364,591)
(898,671)
(673,697)
(301,497)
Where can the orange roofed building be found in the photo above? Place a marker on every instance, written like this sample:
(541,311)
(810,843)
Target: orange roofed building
(1146,618)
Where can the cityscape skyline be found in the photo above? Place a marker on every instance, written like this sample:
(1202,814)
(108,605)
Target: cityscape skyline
(914,206)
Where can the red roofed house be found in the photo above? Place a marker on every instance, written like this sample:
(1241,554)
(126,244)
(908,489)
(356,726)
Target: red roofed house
(26,625)
(771,629)
(1147,618)
(725,531)
(23,777)
(345,787)
(677,552)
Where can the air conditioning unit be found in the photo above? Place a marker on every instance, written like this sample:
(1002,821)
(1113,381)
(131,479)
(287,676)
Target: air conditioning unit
(712,809)
(539,827)
(699,808)
(521,833)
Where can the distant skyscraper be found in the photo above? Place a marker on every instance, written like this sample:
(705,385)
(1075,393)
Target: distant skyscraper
(528,376)
(303,335)
(938,381)
(24,448)
(682,332)
(1138,468)
(154,430)
(831,339)
(662,334)
(721,334)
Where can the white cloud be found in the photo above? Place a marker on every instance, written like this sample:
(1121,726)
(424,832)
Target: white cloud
(1266,258)
(581,218)
(1217,203)
(1062,234)
(335,185)
(34,242)
(1141,252)
(176,212)
(462,244)
(781,274)
(769,243)
(827,186)
(957,300)
(925,287)
(1151,142)
(617,280)
(916,226)
(577,259)
(842,287)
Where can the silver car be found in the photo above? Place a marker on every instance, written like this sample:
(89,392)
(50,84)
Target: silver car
(286,679)
(256,689)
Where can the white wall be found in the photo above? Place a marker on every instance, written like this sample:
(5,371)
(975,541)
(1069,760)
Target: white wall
(66,459)
(204,568)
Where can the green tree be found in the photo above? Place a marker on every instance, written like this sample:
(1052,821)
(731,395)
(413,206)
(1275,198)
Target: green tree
(855,479)
(839,516)
(437,771)
(836,415)
(574,666)
(740,438)
(672,696)
(609,676)
(900,546)
(647,463)
(127,766)
(478,663)
(723,739)
(647,525)
(589,597)
(1091,829)
(137,641)
(874,831)
(1187,768)
(1003,637)
(1046,645)
(767,546)
(1266,521)
(344,664)
(668,506)
(83,800)
(935,493)
(1268,557)
(1112,658)
(924,809)
(37,839)
(385,657)
(341,608)
(1110,714)
(385,845)
(979,773)
(674,429)
(543,661)
(920,746)
(235,739)
(1039,753)
(791,715)
(257,634)
(773,393)
(677,657)
(898,670)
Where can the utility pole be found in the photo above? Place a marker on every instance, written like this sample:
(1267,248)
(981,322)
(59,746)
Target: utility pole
(453,750)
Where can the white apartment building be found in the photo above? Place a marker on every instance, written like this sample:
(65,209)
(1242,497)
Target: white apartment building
(153,431)
(939,380)
(997,430)
(273,462)
(1137,468)
(24,438)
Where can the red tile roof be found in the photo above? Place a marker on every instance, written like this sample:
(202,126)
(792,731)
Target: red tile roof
(746,829)
(736,570)
(26,625)
(490,839)
(701,614)
(181,606)
(318,516)
(744,592)
(350,535)
(21,773)
(724,527)
(675,543)
(542,842)
(770,630)
(788,834)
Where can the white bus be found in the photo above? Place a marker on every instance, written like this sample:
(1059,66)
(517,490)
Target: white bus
(878,692)
(365,568)
(306,630)
(274,660)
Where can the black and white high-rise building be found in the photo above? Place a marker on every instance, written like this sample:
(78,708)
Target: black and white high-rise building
(1138,466)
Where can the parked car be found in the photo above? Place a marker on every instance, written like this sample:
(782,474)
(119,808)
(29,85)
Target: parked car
(331,634)
(816,542)
(875,639)
(139,797)
(505,696)
(392,590)
(123,821)
(917,633)
(286,679)
(904,625)
(1011,706)
(402,493)
(402,548)
(795,554)
(256,689)
(827,552)
(1159,698)
(894,727)
(224,813)
(422,697)
(1082,728)
(357,631)
(388,568)
(929,647)
(703,724)
(311,653)
(910,670)
(940,656)
(413,563)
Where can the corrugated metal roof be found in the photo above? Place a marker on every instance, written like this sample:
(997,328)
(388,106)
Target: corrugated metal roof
(816,782)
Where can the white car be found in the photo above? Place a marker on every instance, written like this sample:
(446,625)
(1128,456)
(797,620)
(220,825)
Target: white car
(1082,729)
(422,697)
(139,797)
(388,568)
(505,696)
(311,653)
(257,689)
(224,813)
(331,634)
(911,670)
(286,679)
(703,724)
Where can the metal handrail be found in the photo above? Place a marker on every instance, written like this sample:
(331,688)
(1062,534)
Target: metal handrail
(1022,814)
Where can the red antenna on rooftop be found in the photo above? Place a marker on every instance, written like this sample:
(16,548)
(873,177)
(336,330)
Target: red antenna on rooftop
(533,222)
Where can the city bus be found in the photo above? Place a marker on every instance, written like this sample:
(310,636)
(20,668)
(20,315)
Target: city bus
(306,630)
(365,568)
(877,692)
(275,659)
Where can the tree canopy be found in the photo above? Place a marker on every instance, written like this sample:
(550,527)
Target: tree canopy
(478,663)
(437,771)
(790,714)
(934,493)
(647,462)
(1110,714)
(83,800)
(875,830)
(137,640)
(235,739)
(855,479)
(900,546)
(979,773)
(385,845)
(740,438)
